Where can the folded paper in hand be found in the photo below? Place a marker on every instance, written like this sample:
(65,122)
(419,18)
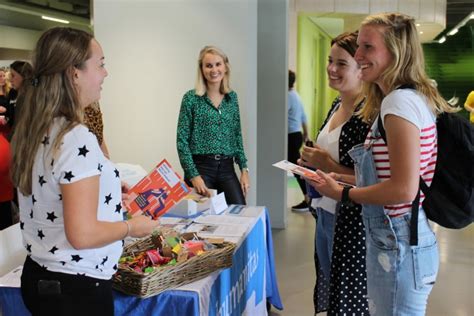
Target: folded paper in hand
(299,170)
(157,192)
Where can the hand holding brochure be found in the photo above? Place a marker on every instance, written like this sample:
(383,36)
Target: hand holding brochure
(157,192)
(303,171)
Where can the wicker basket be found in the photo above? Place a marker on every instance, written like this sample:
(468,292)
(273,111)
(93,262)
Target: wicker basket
(131,282)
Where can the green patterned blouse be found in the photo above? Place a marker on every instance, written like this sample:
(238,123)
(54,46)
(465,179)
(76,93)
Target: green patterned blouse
(203,130)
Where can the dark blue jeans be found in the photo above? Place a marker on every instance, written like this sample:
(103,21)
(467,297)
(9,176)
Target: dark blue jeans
(220,175)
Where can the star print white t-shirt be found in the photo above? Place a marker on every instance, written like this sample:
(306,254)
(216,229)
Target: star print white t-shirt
(41,214)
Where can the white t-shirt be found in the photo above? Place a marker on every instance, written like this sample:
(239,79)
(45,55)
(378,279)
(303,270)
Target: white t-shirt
(411,106)
(328,140)
(41,214)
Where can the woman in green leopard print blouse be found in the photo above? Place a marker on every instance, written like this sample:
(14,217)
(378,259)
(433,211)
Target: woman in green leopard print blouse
(209,136)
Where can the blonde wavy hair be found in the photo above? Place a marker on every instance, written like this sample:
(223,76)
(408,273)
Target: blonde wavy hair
(201,83)
(51,94)
(408,65)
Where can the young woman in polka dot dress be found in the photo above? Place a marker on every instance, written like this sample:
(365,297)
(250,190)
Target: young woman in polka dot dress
(340,237)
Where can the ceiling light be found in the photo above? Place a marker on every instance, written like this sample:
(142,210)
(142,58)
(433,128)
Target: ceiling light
(453,31)
(442,40)
(418,24)
(44,17)
(421,32)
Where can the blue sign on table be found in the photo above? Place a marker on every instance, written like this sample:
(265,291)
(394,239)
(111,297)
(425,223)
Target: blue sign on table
(236,285)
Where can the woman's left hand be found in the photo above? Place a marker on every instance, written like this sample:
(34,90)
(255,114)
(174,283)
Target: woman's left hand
(245,182)
(327,186)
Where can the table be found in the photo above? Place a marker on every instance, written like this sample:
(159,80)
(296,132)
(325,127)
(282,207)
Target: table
(243,288)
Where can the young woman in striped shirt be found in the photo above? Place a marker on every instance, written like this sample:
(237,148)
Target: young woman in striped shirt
(400,276)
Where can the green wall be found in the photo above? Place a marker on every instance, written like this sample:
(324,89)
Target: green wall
(451,64)
(311,78)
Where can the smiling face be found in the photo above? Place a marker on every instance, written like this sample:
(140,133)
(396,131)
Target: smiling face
(90,77)
(372,54)
(343,71)
(213,68)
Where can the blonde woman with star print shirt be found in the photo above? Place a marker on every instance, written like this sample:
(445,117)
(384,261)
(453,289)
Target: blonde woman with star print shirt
(69,193)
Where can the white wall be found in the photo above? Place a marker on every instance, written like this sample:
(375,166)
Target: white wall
(151,50)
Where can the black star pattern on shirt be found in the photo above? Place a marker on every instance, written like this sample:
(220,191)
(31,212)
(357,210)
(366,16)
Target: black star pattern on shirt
(123,243)
(41,180)
(76,258)
(52,162)
(68,176)
(108,198)
(31,214)
(99,167)
(117,173)
(33,199)
(40,234)
(83,151)
(63,262)
(22,225)
(51,216)
(118,208)
(53,250)
(28,247)
(104,260)
(115,267)
(60,197)
(45,140)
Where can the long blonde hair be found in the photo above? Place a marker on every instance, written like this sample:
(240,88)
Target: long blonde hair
(408,66)
(50,94)
(201,83)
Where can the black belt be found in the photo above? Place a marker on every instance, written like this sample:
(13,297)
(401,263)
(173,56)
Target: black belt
(214,157)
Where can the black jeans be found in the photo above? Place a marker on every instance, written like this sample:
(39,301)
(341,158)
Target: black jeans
(55,294)
(220,175)
(295,140)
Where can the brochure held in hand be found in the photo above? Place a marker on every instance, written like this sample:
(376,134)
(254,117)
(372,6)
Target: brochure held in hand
(156,193)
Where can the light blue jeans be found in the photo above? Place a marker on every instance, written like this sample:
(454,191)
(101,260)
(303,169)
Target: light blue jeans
(399,276)
(324,238)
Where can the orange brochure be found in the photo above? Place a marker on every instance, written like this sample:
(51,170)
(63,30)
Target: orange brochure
(156,193)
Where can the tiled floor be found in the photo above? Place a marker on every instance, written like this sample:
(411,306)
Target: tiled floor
(453,294)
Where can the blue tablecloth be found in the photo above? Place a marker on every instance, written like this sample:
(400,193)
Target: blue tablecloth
(230,292)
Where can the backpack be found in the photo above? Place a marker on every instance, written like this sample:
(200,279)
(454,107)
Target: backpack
(449,201)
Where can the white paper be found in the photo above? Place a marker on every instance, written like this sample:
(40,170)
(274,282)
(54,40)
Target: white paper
(210,230)
(12,278)
(224,219)
(218,204)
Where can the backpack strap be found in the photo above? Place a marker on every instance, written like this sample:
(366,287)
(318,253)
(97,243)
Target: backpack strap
(415,205)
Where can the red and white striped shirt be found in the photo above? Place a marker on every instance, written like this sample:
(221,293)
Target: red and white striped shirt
(411,106)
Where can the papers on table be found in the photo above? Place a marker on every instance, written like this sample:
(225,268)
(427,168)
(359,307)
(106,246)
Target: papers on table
(12,278)
(208,226)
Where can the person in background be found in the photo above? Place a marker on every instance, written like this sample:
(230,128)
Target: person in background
(4,86)
(343,261)
(20,72)
(209,136)
(69,193)
(297,121)
(400,273)
(469,106)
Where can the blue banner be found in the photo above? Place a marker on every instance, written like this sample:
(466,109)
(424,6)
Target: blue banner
(236,285)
